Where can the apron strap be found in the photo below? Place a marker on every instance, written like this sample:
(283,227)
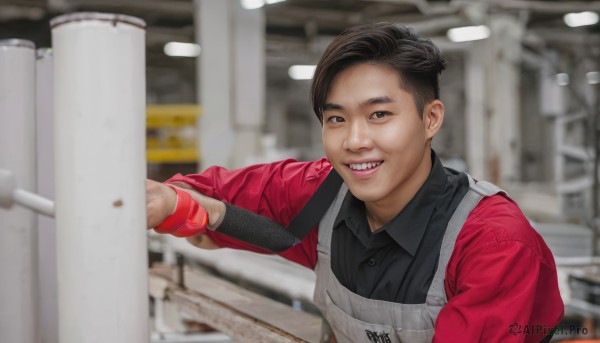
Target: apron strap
(317,205)
(436,297)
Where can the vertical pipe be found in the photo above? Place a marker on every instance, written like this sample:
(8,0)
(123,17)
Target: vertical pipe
(249,75)
(216,136)
(507,33)
(595,220)
(18,239)
(476,112)
(99,71)
(48,305)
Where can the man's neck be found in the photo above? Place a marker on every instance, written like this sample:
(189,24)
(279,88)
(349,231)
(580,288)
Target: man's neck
(382,211)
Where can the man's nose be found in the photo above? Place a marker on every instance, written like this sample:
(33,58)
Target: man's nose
(358,137)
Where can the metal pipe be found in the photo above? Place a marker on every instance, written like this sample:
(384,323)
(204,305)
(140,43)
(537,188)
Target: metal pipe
(34,202)
(268,271)
(595,213)
(44,93)
(10,194)
(99,108)
(18,239)
(554,7)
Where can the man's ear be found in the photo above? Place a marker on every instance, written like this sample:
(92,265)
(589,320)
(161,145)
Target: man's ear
(433,117)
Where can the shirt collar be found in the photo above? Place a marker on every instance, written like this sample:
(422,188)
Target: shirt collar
(409,226)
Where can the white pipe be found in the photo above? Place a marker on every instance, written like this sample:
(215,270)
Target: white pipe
(269,271)
(216,136)
(34,202)
(18,239)
(10,194)
(44,93)
(100,170)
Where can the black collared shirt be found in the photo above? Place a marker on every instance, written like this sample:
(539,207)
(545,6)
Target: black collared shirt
(398,261)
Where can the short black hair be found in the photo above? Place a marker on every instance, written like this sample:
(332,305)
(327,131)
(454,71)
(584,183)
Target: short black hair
(417,60)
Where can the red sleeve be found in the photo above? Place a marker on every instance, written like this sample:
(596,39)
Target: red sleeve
(501,280)
(277,190)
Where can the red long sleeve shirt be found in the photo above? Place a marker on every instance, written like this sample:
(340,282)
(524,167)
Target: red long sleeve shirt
(500,281)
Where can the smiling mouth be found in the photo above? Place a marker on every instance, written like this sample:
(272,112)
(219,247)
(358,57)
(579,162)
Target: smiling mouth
(364,166)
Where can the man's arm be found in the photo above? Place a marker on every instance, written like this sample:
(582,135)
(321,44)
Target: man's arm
(504,295)
(277,191)
(502,286)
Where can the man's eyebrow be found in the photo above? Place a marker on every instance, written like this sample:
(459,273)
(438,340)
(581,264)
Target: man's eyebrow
(376,100)
(331,106)
(372,101)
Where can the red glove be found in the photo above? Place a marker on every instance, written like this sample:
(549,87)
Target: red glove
(189,218)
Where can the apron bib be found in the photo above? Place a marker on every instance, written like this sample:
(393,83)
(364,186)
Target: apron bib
(354,318)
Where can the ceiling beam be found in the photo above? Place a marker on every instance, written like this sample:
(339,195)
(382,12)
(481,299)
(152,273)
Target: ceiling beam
(552,7)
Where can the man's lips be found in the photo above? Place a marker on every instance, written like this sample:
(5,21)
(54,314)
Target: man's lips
(364,170)
(361,166)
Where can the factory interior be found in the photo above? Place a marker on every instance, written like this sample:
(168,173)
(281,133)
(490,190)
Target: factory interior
(227,84)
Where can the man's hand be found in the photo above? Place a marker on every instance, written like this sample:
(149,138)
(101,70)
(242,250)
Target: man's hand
(162,199)
(160,202)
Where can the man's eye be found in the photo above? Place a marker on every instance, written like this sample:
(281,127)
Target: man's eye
(379,114)
(335,119)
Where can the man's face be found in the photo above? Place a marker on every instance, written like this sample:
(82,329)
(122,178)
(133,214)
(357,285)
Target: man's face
(373,134)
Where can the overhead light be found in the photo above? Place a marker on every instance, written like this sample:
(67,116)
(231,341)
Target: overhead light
(581,18)
(468,33)
(593,77)
(254,4)
(178,49)
(562,79)
(302,72)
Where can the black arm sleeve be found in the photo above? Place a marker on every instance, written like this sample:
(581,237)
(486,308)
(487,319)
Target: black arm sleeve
(255,229)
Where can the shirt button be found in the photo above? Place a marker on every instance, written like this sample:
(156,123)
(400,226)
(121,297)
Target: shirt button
(372,262)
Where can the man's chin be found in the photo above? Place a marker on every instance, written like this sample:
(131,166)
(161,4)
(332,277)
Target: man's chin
(365,194)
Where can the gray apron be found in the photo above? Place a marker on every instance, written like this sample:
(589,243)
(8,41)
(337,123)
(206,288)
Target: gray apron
(354,318)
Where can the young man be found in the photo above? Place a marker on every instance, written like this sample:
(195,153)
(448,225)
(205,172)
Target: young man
(408,251)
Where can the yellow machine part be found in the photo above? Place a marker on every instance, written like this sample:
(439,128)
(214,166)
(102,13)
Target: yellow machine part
(158,116)
(162,124)
(162,155)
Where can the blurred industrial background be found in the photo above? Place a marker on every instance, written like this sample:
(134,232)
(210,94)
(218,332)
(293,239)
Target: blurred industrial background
(225,86)
(520,104)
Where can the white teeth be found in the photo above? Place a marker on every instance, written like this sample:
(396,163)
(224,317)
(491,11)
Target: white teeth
(364,166)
